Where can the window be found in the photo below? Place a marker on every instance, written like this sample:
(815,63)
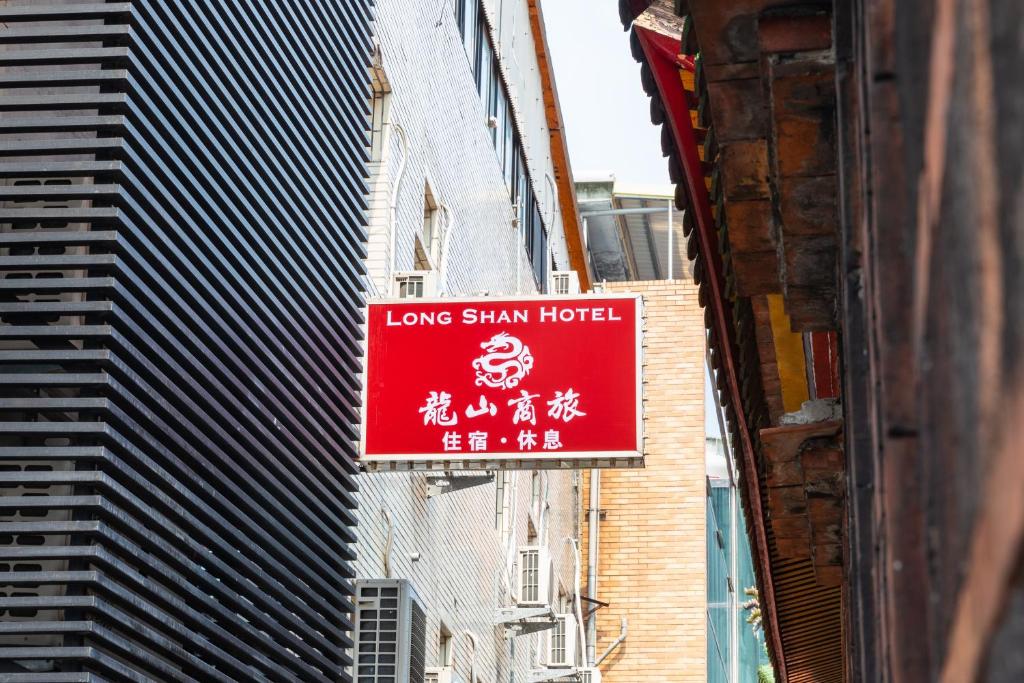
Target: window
(444,646)
(427,243)
(511,144)
(410,286)
(502,505)
(564,600)
(494,94)
(485,66)
(467,21)
(460,16)
(536,510)
(508,144)
(379,116)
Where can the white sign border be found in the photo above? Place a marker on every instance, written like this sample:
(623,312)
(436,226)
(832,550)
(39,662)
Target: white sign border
(460,460)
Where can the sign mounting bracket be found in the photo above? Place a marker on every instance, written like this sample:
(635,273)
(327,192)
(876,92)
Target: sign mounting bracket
(449,483)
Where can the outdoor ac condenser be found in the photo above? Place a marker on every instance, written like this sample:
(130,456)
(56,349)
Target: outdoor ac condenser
(414,284)
(390,632)
(561,642)
(442,674)
(535,583)
(565,282)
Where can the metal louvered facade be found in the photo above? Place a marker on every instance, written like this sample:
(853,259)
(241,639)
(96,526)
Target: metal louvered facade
(181,255)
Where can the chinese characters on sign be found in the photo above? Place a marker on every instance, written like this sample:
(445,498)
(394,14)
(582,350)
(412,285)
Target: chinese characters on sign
(491,379)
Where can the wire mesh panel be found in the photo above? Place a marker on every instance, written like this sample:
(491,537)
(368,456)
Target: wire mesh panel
(181,243)
(417,642)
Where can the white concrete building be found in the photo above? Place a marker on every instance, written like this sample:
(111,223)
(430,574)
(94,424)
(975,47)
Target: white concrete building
(469,193)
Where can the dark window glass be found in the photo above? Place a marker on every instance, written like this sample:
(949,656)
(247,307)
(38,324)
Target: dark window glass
(484,57)
(460,16)
(496,106)
(540,245)
(510,153)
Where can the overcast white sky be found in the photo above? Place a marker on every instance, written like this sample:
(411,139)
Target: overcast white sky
(607,115)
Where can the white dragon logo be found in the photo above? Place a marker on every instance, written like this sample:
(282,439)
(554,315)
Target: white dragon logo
(505,364)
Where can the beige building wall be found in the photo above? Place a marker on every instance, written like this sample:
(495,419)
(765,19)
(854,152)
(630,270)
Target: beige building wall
(651,542)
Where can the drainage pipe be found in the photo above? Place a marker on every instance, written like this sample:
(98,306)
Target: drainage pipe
(618,641)
(472,657)
(388,543)
(578,602)
(592,547)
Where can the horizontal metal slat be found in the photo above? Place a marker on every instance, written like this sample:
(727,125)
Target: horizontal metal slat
(54,331)
(57,168)
(65,11)
(65,237)
(82,453)
(92,655)
(50,285)
(54,146)
(98,357)
(78,55)
(62,77)
(53,379)
(62,33)
(52,677)
(60,124)
(68,101)
(57,261)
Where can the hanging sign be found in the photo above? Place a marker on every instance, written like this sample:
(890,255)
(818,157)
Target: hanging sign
(507,383)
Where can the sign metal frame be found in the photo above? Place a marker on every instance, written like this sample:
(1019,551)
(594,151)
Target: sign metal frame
(454,461)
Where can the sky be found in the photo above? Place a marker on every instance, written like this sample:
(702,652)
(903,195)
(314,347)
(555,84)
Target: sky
(604,107)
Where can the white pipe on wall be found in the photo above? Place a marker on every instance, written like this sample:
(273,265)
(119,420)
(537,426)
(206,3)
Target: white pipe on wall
(670,259)
(578,602)
(592,548)
(623,630)
(472,657)
(388,543)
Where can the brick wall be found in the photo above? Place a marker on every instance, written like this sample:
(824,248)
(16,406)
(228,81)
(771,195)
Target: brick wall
(651,543)
(461,573)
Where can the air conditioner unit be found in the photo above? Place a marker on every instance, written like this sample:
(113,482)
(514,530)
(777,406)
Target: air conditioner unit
(589,674)
(415,284)
(565,282)
(535,573)
(390,633)
(561,642)
(442,674)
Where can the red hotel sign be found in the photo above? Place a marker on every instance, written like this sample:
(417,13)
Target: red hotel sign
(533,380)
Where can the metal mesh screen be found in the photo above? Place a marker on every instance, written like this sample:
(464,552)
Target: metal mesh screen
(417,643)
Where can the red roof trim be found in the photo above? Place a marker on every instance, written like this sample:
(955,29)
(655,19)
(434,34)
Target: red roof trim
(662,53)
